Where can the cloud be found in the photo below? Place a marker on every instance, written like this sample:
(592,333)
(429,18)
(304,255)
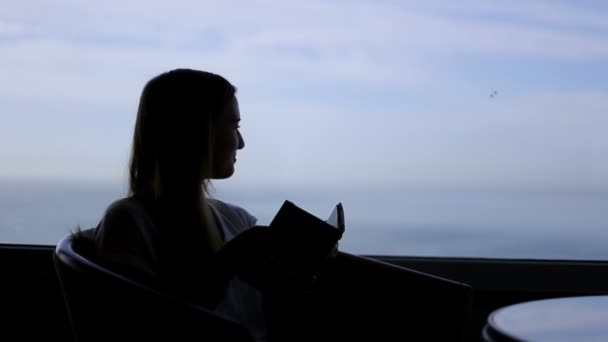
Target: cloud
(552,139)
(75,50)
(7,28)
(296,65)
(557,14)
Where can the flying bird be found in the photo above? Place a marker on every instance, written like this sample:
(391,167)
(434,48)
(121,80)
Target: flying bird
(493,94)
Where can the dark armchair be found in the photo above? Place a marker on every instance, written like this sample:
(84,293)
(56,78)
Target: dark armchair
(105,306)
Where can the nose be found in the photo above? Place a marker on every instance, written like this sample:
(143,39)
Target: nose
(241,143)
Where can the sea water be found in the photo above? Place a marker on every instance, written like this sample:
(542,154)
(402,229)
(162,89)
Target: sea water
(414,220)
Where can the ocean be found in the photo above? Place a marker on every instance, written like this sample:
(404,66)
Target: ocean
(411,221)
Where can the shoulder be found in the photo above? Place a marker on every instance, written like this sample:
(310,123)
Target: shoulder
(234,213)
(120,209)
(124,242)
(120,219)
(123,206)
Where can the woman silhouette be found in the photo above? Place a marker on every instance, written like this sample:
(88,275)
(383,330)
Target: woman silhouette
(168,232)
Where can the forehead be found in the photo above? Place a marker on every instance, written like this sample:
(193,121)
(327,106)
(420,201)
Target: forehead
(231,111)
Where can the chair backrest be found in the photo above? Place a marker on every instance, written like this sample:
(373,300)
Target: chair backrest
(358,298)
(106,306)
(398,302)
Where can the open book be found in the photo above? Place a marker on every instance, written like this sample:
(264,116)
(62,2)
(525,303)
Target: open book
(310,236)
(336,218)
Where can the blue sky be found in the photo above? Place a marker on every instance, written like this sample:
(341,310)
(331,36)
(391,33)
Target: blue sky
(345,93)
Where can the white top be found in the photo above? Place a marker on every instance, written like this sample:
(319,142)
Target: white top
(242,302)
(126,237)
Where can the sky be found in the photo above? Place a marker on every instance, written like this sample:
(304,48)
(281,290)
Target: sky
(351,93)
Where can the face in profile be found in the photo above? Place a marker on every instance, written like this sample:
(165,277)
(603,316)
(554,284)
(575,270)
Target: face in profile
(227,140)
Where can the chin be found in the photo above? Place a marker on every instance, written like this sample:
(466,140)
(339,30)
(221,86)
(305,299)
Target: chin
(223,174)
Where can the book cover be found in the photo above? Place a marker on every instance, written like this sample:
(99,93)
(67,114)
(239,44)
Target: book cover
(310,236)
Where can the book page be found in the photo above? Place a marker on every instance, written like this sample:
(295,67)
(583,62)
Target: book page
(336,218)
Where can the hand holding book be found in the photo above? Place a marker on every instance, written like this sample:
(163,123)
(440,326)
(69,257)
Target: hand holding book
(291,249)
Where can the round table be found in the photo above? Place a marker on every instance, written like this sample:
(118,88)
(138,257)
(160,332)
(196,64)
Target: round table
(578,319)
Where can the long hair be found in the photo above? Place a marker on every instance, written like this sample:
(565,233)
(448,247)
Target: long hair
(172,151)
